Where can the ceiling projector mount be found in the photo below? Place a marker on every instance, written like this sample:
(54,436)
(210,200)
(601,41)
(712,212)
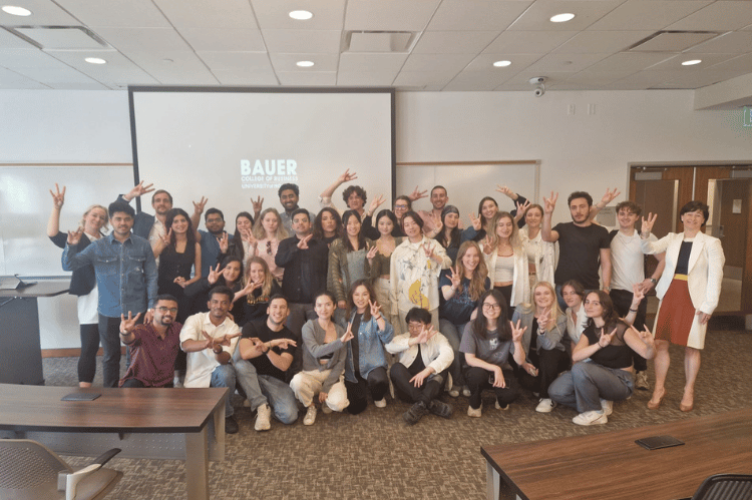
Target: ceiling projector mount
(540,85)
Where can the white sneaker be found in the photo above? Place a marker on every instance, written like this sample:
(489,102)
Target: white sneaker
(325,409)
(545,406)
(590,418)
(263,418)
(466,391)
(310,416)
(641,381)
(473,412)
(380,403)
(607,407)
(454,392)
(499,407)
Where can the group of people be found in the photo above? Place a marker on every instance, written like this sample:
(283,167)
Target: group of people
(328,311)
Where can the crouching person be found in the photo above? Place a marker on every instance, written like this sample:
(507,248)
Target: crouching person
(209,339)
(153,347)
(264,356)
(424,358)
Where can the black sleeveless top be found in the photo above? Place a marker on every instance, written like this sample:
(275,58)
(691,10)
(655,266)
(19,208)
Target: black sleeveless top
(615,355)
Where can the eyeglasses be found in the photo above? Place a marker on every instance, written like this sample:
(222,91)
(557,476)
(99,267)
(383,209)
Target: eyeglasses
(414,326)
(163,309)
(488,305)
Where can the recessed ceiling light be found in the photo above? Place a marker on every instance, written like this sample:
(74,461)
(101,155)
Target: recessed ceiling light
(562,18)
(502,64)
(304,64)
(95,60)
(16,11)
(301,15)
(692,62)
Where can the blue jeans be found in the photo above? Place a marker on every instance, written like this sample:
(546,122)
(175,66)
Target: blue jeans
(224,376)
(265,389)
(453,334)
(587,383)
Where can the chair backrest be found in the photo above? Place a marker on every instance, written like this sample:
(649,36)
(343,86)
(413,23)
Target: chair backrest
(725,487)
(28,470)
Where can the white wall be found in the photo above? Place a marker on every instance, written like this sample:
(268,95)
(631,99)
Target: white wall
(577,151)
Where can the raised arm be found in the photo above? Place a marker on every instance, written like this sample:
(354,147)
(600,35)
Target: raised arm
(198,209)
(548,234)
(58,199)
(139,189)
(326,194)
(603,203)
(606,268)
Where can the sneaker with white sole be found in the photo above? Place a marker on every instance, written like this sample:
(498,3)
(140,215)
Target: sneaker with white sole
(607,407)
(466,391)
(381,403)
(263,418)
(325,409)
(475,412)
(499,407)
(545,405)
(454,392)
(310,416)
(590,418)
(641,381)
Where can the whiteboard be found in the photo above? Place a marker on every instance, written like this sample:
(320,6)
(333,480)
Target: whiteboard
(468,183)
(25,205)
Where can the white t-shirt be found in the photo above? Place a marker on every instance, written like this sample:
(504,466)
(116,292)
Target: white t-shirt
(201,364)
(627,261)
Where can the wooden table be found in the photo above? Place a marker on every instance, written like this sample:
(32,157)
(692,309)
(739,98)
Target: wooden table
(145,423)
(612,466)
(20,350)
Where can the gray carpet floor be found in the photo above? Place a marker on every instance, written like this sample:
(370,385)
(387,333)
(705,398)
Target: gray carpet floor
(376,456)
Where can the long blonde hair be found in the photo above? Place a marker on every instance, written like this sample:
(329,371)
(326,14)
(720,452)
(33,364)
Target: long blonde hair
(88,211)
(266,289)
(514,238)
(555,309)
(478,281)
(258,227)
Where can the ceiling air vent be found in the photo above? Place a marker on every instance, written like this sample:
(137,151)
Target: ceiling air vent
(60,37)
(378,41)
(672,41)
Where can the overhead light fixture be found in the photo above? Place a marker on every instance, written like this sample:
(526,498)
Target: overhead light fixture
(304,64)
(301,15)
(562,18)
(502,64)
(95,60)
(16,11)
(692,62)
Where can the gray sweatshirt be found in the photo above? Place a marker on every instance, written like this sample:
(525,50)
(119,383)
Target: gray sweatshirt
(313,338)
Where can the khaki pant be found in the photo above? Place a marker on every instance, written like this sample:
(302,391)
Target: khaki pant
(308,384)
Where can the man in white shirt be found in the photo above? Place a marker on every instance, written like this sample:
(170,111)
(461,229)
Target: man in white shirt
(210,340)
(628,271)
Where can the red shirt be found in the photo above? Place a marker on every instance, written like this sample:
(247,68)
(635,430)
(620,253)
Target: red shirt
(153,358)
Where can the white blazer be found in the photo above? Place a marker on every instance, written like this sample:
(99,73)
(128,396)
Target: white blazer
(520,280)
(704,278)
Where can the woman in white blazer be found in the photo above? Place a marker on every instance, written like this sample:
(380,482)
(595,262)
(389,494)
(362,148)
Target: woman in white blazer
(689,290)
(506,260)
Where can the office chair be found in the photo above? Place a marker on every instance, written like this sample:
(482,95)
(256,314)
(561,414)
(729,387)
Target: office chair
(725,487)
(31,471)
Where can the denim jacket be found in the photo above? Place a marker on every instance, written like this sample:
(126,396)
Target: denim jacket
(126,273)
(371,342)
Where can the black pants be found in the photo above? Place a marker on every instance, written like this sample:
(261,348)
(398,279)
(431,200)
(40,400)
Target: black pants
(109,336)
(87,362)
(549,365)
(477,379)
(137,384)
(506,291)
(622,300)
(408,393)
(357,392)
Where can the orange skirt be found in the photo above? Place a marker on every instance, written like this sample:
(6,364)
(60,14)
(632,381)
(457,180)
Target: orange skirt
(675,314)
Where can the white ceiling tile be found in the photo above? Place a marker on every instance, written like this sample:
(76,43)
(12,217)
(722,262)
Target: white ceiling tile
(274,14)
(672,42)
(522,79)
(452,63)
(43,13)
(324,41)
(470,15)
(371,63)
(391,15)
(528,42)
(569,63)
(598,78)
(234,14)
(703,79)
(718,16)
(738,63)
(12,80)
(323,63)
(141,39)
(477,80)
(118,68)
(428,79)
(62,38)
(312,78)
(595,42)
(123,13)
(59,75)
(650,78)
(573,86)
(484,62)
(365,79)
(220,39)
(629,61)
(27,58)
(647,14)
(675,63)
(246,77)
(173,67)
(10,41)
(82,86)
(737,42)
(236,60)
(538,16)
(626,85)
(453,42)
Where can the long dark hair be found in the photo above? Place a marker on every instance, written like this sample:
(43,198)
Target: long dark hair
(454,234)
(389,215)
(237,241)
(351,303)
(609,316)
(190,235)
(346,215)
(318,228)
(480,323)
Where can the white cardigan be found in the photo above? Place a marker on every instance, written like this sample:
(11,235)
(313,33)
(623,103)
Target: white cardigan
(520,280)
(436,353)
(704,278)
